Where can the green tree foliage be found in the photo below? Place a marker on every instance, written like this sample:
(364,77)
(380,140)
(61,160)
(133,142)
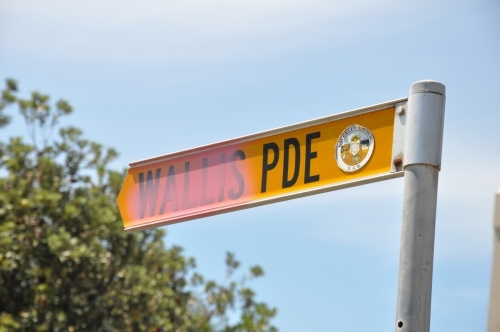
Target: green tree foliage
(8,97)
(67,265)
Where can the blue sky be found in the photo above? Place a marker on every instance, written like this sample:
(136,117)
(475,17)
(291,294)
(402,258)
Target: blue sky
(154,77)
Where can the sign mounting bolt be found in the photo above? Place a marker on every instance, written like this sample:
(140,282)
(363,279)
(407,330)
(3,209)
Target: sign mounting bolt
(400,110)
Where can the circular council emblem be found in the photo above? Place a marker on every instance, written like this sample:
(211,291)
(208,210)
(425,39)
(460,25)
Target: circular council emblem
(354,148)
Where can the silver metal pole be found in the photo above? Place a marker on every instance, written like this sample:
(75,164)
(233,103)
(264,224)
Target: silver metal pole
(494,314)
(421,162)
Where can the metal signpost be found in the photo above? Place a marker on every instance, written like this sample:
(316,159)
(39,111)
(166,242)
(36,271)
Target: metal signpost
(494,314)
(422,162)
(397,138)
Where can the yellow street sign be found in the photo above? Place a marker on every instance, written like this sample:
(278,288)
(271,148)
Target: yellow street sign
(334,152)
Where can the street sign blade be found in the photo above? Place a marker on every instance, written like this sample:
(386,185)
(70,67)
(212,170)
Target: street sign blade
(331,153)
